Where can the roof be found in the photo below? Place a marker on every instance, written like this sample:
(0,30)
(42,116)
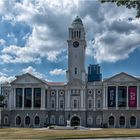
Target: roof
(41,80)
(56,83)
(77,21)
(20,76)
(107,79)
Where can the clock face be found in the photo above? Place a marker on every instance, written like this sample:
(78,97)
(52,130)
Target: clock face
(75,44)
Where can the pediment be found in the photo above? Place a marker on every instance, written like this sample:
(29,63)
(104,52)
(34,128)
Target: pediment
(27,79)
(122,77)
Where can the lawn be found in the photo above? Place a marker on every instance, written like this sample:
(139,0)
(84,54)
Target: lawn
(30,133)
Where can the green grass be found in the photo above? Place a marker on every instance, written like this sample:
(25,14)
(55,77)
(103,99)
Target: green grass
(29,133)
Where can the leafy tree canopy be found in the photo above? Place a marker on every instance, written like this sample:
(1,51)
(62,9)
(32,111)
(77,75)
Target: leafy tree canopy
(128,3)
(1,98)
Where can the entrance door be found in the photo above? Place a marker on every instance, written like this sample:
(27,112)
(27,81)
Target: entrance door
(75,121)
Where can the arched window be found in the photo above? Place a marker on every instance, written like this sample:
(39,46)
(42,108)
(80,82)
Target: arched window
(122,121)
(36,120)
(52,120)
(53,103)
(98,120)
(47,120)
(89,103)
(75,70)
(75,103)
(89,120)
(111,121)
(79,34)
(74,34)
(6,104)
(27,120)
(18,120)
(98,103)
(61,120)
(61,102)
(6,120)
(133,121)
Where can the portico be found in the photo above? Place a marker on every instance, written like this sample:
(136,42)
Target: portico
(121,94)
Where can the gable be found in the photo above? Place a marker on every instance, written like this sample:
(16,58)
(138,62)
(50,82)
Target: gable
(27,79)
(122,77)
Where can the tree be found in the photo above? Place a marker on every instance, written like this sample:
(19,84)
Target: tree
(128,3)
(1,106)
(1,100)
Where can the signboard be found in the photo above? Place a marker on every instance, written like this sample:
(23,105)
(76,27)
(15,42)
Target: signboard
(132,94)
(112,96)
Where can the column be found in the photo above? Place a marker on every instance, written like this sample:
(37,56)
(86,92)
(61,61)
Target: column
(14,99)
(104,92)
(116,97)
(84,99)
(42,98)
(68,99)
(48,99)
(82,103)
(137,97)
(10,99)
(22,98)
(57,102)
(94,102)
(32,98)
(106,98)
(127,99)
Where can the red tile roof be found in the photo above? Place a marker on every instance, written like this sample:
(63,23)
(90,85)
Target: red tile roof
(56,83)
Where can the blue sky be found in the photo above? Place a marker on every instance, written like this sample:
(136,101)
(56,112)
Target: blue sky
(33,37)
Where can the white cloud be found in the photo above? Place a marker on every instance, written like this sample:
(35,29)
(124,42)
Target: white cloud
(57,72)
(16,54)
(48,37)
(115,37)
(2,42)
(4,78)
(49,21)
(113,46)
(3,74)
(33,71)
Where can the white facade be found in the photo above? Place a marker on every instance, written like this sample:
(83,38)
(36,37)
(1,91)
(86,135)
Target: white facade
(33,102)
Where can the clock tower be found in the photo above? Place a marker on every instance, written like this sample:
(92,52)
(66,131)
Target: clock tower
(76,51)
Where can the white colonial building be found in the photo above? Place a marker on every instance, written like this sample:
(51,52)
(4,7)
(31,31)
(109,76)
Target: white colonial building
(83,100)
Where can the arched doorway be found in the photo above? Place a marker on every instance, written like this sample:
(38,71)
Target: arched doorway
(75,121)
(111,121)
(18,120)
(133,121)
(122,121)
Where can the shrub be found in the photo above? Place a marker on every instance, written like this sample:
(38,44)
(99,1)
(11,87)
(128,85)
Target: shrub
(51,127)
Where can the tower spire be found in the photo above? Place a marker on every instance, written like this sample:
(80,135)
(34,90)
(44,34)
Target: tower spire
(76,51)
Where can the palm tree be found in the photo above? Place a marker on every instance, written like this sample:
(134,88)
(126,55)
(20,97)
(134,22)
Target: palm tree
(1,106)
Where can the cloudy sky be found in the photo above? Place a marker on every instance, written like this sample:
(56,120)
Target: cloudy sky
(33,36)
